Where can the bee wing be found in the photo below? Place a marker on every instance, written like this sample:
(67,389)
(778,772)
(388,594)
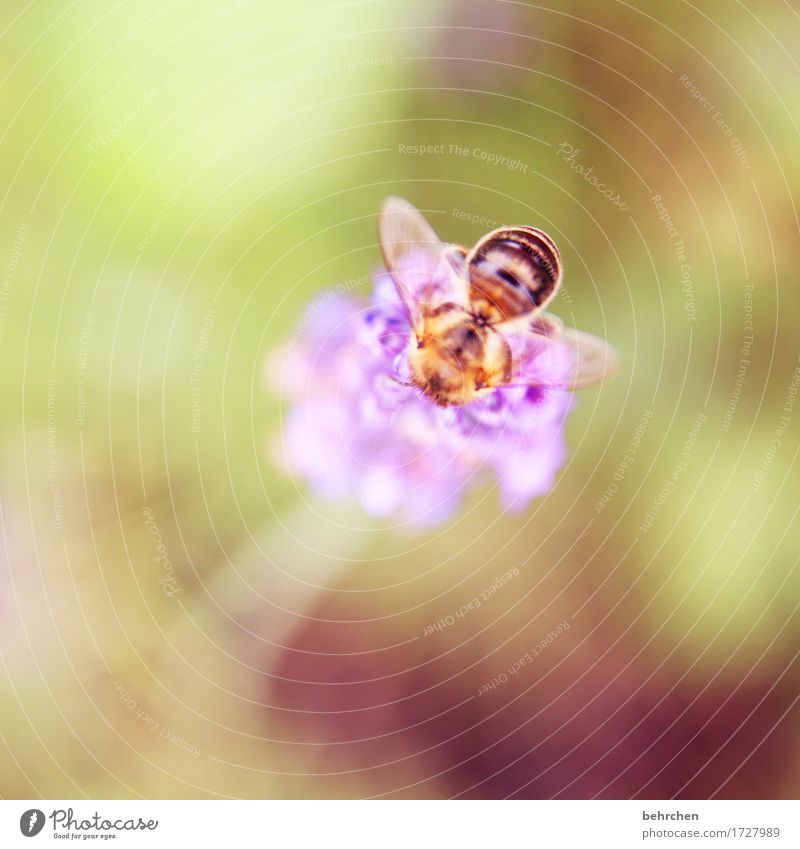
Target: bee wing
(545,353)
(546,324)
(594,360)
(426,271)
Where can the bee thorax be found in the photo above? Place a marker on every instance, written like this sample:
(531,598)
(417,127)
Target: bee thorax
(458,358)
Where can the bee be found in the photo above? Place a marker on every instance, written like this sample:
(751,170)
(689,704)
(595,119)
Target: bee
(477,316)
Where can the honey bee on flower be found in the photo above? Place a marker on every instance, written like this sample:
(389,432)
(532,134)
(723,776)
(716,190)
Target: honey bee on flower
(477,317)
(452,370)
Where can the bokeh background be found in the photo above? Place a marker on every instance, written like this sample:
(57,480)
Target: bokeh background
(178,618)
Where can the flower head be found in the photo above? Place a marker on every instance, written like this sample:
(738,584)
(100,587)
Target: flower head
(356,429)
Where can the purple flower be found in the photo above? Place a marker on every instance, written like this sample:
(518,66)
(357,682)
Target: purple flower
(355,430)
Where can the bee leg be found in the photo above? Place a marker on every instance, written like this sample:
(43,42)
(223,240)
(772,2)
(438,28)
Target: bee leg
(483,380)
(405,383)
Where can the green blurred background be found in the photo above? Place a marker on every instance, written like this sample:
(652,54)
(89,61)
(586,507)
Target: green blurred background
(178,181)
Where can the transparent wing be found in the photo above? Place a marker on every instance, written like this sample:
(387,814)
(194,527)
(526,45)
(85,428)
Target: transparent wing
(426,271)
(546,324)
(545,353)
(593,360)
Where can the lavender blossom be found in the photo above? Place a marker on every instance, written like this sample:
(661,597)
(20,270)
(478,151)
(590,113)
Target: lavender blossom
(354,430)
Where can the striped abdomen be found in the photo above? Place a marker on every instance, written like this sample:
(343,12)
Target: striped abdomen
(512,270)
